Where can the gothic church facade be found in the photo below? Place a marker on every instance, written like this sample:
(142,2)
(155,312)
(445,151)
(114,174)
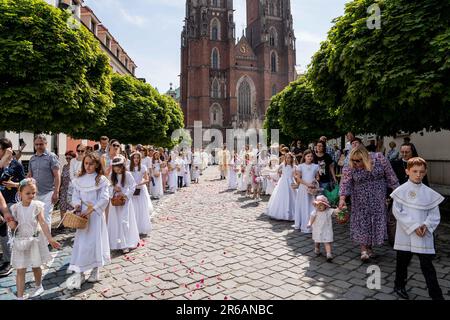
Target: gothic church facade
(228,83)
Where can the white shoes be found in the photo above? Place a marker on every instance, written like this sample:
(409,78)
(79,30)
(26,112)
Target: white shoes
(75,281)
(95,275)
(38,291)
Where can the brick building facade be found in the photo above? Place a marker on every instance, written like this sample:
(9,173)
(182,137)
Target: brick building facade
(228,83)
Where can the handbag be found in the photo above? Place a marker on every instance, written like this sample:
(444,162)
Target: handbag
(23,243)
(137,192)
(118,200)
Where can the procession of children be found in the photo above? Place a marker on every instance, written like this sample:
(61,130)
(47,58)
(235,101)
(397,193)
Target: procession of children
(112,192)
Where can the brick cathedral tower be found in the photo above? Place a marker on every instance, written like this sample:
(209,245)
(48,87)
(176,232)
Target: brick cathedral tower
(227,83)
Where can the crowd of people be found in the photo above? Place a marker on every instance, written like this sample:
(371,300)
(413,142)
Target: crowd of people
(114,188)
(370,182)
(111,187)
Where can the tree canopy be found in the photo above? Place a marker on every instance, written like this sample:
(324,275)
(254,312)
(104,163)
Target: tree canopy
(53,77)
(141,114)
(388,79)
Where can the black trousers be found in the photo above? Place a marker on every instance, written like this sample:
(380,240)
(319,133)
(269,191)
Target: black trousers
(180,182)
(428,271)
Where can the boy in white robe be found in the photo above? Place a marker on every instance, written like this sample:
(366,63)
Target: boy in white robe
(416,208)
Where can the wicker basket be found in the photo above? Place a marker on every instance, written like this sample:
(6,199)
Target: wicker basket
(71,220)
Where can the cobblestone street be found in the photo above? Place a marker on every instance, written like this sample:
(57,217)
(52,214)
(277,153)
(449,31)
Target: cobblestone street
(209,243)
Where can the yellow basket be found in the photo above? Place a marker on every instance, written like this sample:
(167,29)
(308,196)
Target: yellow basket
(73,221)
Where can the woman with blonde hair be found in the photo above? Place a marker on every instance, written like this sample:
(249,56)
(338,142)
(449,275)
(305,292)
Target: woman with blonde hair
(366,181)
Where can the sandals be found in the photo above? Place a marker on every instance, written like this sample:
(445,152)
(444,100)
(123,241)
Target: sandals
(364,256)
(317,251)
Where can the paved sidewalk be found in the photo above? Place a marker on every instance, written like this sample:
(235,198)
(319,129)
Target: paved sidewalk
(209,243)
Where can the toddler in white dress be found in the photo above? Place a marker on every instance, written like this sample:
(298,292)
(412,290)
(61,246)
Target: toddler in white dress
(322,225)
(31,232)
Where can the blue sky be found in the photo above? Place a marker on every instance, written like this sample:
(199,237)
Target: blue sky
(149,31)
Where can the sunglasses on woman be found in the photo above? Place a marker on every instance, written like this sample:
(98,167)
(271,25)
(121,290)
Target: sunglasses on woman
(116,145)
(81,151)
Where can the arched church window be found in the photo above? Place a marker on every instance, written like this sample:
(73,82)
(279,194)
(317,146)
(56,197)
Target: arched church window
(215,62)
(273,62)
(244,96)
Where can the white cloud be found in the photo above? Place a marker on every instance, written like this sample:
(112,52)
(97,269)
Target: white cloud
(132,19)
(304,36)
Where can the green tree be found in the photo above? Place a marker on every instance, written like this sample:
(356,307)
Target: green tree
(138,116)
(388,79)
(175,122)
(301,116)
(271,121)
(53,77)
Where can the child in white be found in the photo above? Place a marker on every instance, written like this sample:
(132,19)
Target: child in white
(187,172)
(322,225)
(173,176)
(416,208)
(306,174)
(271,175)
(156,187)
(232,172)
(282,201)
(122,227)
(180,167)
(91,245)
(31,228)
(142,204)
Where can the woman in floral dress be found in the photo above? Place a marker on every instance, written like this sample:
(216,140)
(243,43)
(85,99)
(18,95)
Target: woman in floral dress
(65,192)
(366,180)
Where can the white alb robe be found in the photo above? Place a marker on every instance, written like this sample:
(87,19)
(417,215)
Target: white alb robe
(415,205)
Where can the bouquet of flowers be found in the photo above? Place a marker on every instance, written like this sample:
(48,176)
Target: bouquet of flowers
(343,216)
(314,189)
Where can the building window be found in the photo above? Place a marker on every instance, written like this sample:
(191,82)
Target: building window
(244,96)
(126,62)
(215,3)
(215,29)
(215,89)
(117,52)
(274,90)
(108,42)
(215,59)
(273,37)
(215,115)
(93,27)
(273,62)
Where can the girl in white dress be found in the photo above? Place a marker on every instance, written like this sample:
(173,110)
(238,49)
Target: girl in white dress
(232,173)
(173,177)
(122,228)
(91,245)
(187,171)
(306,176)
(142,204)
(263,161)
(322,225)
(271,175)
(30,227)
(282,201)
(156,187)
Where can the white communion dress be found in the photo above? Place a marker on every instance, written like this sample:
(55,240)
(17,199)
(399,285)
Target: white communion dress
(142,203)
(91,245)
(281,203)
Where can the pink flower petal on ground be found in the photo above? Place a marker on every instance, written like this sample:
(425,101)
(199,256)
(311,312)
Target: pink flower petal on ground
(106,290)
(148,279)
(202,262)
(202,281)
(226,298)
(163,293)
(197,286)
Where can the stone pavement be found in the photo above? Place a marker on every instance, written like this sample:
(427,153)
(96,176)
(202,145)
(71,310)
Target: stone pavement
(213,244)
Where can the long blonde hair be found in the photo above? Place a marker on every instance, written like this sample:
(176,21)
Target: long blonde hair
(361,152)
